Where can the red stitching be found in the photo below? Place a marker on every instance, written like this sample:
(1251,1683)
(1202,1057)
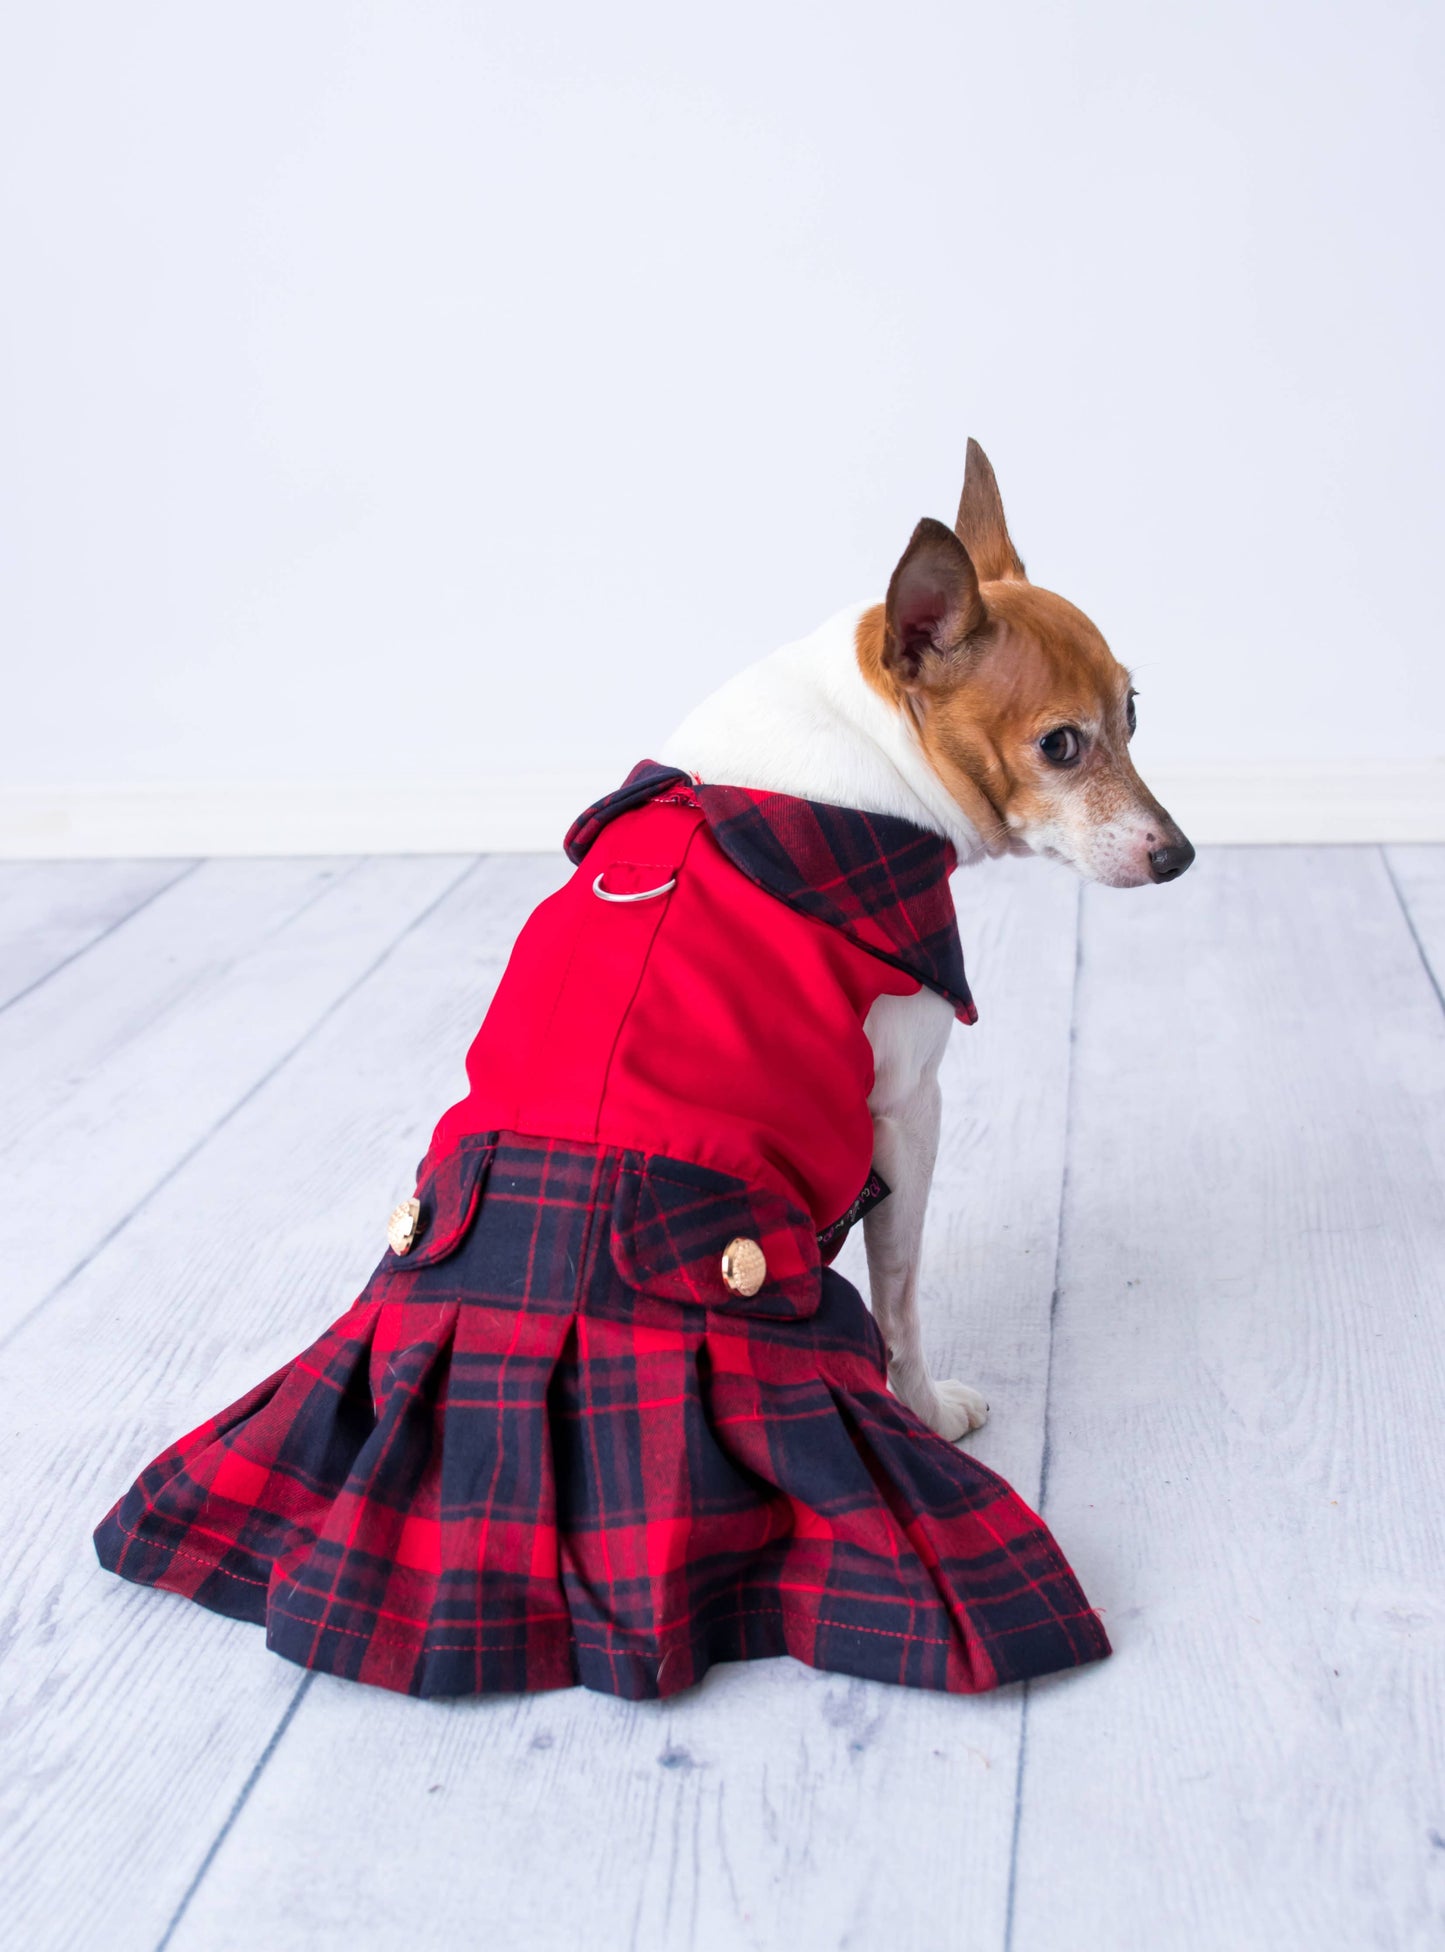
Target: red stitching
(581,1636)
(180,1552)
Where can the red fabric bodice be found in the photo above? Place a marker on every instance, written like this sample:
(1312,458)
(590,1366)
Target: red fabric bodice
(713,1023)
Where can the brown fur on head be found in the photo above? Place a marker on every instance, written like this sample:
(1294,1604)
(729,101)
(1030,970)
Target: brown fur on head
(1020,707)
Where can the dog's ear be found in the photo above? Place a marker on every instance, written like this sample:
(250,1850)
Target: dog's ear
(981,527)
(933,608)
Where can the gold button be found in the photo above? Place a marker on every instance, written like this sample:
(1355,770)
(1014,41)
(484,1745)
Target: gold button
(401,1228)
(744,1267)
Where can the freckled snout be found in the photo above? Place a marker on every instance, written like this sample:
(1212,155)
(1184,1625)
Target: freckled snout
(1167,863)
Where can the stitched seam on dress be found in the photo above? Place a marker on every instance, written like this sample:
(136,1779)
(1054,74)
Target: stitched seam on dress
(782,1284)
(432,1255)
(650,1173)
(641,972)
(592,1227)
(180,1552)
(581,1636)
(752,1192)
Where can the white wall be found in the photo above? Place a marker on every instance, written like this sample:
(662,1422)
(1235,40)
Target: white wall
(415,395)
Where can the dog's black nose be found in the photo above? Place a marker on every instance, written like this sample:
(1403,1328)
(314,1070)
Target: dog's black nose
(1168,863)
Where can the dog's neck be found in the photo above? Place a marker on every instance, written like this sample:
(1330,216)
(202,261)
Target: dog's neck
(804,721)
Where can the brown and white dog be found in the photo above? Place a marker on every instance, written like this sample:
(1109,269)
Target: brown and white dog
(983,708)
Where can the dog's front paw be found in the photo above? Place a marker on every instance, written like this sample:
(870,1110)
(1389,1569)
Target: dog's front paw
(960,1410)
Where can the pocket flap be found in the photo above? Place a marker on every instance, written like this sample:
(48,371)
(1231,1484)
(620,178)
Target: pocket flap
(672,1222)
(447,1194)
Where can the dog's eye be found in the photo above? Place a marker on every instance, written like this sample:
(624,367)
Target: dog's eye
(1062,746)
(1132,714)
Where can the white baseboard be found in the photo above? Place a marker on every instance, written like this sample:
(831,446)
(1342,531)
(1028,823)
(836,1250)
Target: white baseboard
(524,815)
(1345,800)
(1375,800)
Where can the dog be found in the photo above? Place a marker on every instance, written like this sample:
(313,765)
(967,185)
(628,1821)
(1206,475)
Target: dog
(983,708)
(605,1412)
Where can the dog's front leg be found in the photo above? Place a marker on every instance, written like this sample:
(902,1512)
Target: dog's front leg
(909,1035)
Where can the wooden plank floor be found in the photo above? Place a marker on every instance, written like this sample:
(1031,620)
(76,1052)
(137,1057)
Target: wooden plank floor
(1188,1235)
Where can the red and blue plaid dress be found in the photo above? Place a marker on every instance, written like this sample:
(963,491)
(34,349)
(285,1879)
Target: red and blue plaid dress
(550,1444)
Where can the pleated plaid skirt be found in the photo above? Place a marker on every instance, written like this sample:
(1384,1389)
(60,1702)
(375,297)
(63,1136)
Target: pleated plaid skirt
(549,1447)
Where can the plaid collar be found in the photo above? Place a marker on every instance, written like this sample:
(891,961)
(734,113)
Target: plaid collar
(881,880)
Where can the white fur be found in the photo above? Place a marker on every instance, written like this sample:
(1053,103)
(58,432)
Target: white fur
(804,721)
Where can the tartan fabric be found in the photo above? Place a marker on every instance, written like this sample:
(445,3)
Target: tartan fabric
(673,1219)
(645,783)
(510,1467)
(881,880)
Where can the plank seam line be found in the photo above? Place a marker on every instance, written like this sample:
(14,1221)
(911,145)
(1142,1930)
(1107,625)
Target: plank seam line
(1425,962)
(109,929)
(338,875)
(251,1092)
(236,1808)
(207,979)
(1013,1855)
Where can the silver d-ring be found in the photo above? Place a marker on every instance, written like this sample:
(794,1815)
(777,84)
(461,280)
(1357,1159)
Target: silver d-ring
(645,894)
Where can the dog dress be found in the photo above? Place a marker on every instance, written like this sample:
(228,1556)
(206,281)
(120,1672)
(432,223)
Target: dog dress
(604,1413)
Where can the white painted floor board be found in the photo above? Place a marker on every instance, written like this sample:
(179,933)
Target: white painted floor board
(1255,1137)
(1244,1436)
(51,911)
(120,1065)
